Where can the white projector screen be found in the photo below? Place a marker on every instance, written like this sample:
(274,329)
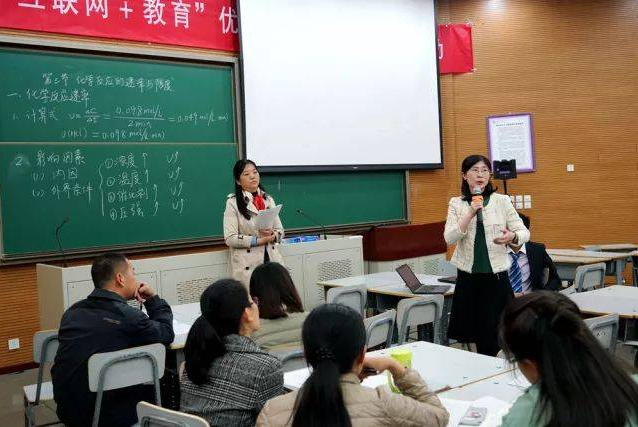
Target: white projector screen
(340,84)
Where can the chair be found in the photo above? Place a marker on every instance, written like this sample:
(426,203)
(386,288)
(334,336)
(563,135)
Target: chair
(605,329)
(124,368)
(419,311)
(589,276)
(446,268)
(380,328)
(568,290)
(45,345)
(292,360)
(155,416)
(352,296)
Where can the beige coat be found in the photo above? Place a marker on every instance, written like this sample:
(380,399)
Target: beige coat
(499,212)
(238,234)
(280,334)
(369,407)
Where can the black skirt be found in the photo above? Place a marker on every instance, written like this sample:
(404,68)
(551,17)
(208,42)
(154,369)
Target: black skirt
(477,305)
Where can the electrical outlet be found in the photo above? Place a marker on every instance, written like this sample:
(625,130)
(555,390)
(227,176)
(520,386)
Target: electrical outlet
(14,343)
(570,168)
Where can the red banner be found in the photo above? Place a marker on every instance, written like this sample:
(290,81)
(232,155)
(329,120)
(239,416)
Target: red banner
(211,24)
(455,48)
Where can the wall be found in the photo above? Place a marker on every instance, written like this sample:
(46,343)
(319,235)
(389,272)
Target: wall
(571,64)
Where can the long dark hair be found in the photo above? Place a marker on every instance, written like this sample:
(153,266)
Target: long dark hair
(333,336)
(272,285)
(222,305)
(467,164)
(580,383)
(242,203)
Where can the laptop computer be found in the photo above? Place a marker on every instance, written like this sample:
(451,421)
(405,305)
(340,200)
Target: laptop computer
(416,287)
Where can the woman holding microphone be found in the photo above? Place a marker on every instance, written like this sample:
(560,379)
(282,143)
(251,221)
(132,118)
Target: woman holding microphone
(481,223)
(249,246)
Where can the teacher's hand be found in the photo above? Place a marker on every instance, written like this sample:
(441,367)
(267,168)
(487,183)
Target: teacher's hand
(265,232)
(266,240)
(507,237)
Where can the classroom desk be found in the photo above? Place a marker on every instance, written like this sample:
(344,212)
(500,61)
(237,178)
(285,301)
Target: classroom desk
(615,261)
(507,386)
(389,283)
(613,299)
(441,367)
(615,247)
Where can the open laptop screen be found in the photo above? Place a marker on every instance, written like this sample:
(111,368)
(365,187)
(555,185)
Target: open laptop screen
(408,276)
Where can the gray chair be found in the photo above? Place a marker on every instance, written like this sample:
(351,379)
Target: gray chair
(589,276)
(45,346)
(418,311)
(292,360)
(605,329)
(380,328)
(155,416)
(446,268)
(352,296)
(124,368)
(634,345)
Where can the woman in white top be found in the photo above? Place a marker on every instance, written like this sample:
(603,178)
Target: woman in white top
(249,246)
(481,223)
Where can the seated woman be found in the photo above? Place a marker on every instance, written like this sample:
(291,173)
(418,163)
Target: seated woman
(227,378)
(334,345)
(575,382)
(280,308)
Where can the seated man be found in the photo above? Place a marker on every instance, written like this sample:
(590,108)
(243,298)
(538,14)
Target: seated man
(101,323)
(531,268)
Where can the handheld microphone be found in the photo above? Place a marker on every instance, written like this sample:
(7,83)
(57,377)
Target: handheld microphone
(314,221)
(57,237)
(477,195)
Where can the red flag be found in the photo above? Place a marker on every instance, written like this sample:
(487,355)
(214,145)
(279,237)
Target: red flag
(455,48)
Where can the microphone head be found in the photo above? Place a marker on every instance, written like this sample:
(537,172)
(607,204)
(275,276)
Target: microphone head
(477,190)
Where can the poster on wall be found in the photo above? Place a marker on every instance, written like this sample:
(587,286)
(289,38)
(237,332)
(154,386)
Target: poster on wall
(511,136)
(210,24)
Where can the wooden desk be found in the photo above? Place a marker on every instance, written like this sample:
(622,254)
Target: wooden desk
(440,366)
(615,261)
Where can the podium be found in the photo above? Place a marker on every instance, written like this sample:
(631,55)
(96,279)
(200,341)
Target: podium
(420,246)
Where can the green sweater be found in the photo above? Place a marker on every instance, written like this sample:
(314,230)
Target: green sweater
(522,411)
(481,257)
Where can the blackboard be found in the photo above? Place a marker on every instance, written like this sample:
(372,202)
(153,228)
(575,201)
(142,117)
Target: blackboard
(136,151)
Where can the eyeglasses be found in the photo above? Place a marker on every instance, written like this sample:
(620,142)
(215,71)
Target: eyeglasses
(477,171)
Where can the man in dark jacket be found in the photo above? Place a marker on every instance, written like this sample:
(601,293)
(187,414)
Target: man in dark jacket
(101,323)
(535,271)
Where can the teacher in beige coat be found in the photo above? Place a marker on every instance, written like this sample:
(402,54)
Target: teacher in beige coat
(249,246)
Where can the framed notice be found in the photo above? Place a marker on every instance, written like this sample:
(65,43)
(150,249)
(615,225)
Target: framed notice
(511,136)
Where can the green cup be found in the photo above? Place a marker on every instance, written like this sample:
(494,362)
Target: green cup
(404,357)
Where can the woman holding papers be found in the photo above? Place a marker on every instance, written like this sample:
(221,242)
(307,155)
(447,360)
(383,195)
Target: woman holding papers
(249,244)
(481,223)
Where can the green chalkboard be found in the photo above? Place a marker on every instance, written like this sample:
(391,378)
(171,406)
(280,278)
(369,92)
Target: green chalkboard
(55,97)
(111,194)
(139,152)
(338,198)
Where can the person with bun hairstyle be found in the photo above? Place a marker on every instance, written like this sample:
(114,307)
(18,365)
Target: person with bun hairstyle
(481,223)
(575,381)
(227,377)
(334,345)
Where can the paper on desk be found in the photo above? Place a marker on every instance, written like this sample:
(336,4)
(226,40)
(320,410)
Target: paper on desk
(519,381)
(496,408)
(265,219)
(180,328)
